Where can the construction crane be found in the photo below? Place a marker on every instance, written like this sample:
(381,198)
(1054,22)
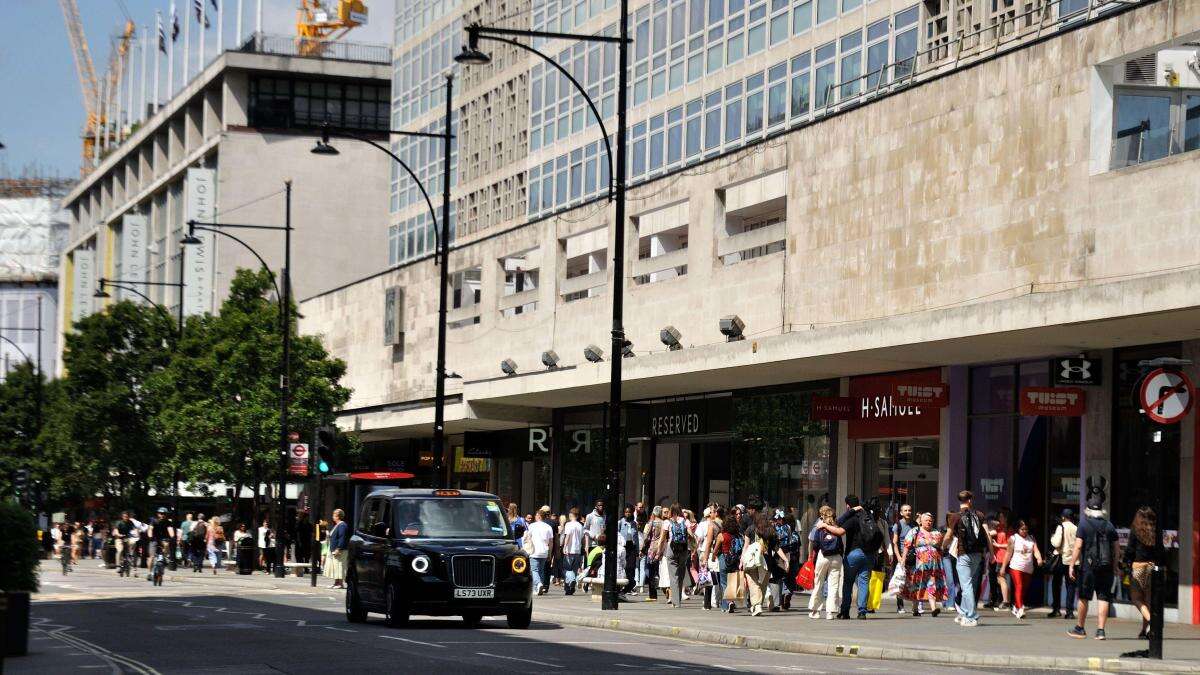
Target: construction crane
(316,26)
(96,126)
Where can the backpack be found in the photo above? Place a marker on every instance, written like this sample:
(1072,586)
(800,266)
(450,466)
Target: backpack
(1098,555)
(971,537)
(830,543)
(868,531)
(199,533)
(679,534)
(734,555)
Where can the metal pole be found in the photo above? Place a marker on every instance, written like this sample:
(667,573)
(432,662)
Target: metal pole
(284,376)
(439,411)
(315,551)
(615,448)
(1157,576)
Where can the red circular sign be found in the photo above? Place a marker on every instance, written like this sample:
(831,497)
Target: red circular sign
(299,450)
(1165,396)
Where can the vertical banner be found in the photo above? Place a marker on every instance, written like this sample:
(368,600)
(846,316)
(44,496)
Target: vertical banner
(134,256)
(199,199)
(84,283)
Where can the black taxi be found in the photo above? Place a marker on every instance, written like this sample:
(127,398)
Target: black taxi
(436,552)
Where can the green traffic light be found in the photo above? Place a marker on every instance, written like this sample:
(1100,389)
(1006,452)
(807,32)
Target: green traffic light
(322,466)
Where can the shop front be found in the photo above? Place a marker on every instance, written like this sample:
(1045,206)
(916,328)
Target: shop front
(513,464)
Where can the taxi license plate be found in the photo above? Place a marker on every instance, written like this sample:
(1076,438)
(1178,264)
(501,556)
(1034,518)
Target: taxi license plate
(474,592)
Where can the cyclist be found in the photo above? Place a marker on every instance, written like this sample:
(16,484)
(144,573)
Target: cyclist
(162,534)
(126,533)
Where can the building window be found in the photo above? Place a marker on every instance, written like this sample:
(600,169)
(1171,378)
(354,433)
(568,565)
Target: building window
(1151,123)
(286,103)
(826,77)
(800,84)
(736,225)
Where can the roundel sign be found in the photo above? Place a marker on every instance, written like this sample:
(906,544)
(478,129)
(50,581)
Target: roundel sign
(1165,396)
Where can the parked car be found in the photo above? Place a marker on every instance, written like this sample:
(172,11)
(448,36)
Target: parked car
(439,553)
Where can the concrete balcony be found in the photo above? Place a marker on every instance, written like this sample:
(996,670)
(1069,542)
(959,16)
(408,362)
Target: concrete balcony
(666,261)
(583,282)
(514,300)
(752,239)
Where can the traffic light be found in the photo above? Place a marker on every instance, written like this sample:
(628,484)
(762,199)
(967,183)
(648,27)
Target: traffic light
(324,440)
(20,481)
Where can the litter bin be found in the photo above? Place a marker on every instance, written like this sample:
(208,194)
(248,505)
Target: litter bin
(245,556)
(110,553)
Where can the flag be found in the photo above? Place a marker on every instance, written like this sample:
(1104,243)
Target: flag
(162,33)
(201,16)
(174,24)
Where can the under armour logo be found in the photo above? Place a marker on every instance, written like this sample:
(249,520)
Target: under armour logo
(1081,370)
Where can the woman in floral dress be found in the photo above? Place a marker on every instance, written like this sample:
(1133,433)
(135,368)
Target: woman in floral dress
(926,580)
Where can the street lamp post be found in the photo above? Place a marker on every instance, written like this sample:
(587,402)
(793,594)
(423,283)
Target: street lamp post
(442,228)
(285,324)
(471,55)
(124,285)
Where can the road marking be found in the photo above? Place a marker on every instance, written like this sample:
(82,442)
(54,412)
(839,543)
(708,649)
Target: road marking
(525,644)
(513,658)
(667,665)
(415,642)
(717,665)
(343,630)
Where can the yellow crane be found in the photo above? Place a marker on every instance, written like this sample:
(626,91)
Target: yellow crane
(316,26)
(96,123)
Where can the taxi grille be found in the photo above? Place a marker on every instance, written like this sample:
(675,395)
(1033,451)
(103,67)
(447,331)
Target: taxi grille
(473,571)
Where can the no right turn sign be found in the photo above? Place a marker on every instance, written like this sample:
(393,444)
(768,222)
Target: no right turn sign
(1165,396)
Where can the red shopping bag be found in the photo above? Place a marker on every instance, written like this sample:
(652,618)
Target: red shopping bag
(806,575)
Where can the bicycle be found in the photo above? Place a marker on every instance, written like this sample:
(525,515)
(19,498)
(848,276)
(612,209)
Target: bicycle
(65,554)
(128,561)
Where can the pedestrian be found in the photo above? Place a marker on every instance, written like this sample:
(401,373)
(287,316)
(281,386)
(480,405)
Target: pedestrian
(706,534)
(828,549)
(304,537)
(184,536)
(551,559)
(198,542)
(99,527)
(539,540)
(1094,562)
(863,540)
(673,546)
(216,543)
(727,553)
(78,534)
(264,544)
(1023,557)
(627,529)
(950,564)
(996,577)
(1142,553)
(559,521)
(593,524)
(1063,543)
(974,547)
(572,550)
(516,524)
(339,539)
(781,563)
(760,546)
(650,552)
(921,555)
(903,525)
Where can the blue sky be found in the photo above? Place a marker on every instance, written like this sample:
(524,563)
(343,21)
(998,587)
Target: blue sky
(41,107)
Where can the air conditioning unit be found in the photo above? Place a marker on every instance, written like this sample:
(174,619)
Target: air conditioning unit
(393,316)
(1142,70)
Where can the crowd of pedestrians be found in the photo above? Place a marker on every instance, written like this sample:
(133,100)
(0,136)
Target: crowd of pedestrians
(758,558)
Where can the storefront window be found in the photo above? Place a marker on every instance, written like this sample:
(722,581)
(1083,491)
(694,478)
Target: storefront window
(580,452)
(1145,461)
(902,472)
(779,454)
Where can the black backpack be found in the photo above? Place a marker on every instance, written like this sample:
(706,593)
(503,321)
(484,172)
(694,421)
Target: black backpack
(868,531)
(199,533)
(1099,545)
(970,533)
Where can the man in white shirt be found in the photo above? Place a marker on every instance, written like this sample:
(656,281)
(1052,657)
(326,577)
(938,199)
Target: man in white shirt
(541,538)
(572,548)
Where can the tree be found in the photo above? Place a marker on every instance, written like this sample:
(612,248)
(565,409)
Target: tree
(21,395)
(101,422)
(221,391)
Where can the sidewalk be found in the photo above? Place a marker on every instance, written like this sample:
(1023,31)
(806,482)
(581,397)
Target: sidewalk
(1000,640)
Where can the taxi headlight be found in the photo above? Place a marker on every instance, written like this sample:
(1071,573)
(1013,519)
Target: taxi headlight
(519,565)
(420,564)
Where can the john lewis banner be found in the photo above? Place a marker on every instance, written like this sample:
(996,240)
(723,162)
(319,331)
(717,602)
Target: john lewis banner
(200,198)
(133,254)
(83,285)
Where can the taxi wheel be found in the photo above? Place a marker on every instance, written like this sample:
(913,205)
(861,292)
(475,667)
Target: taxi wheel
(354,609)
(395,614)
(472,620)
(521,618)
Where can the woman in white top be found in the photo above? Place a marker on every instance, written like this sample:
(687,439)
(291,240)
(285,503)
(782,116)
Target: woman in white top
(1022,553)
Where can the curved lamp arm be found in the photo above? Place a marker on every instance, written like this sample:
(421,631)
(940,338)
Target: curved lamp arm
(162,310)
(18,348)
(612,193)
(428,202)
(262,262)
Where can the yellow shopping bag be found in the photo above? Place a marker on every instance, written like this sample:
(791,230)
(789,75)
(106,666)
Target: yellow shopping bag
(875,590)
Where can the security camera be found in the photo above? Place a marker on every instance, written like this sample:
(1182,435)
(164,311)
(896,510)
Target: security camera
(670,337)
(593,353)
(508,366)
(550,358)
(732,327)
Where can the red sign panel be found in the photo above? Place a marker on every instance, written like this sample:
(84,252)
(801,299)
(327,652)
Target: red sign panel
(1053,401)
(298,459)
(380,475)
(925,395)
(833,408)
(879,415)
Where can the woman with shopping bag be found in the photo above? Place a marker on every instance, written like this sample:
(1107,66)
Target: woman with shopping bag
(759,543)
(728,554)
(926,581)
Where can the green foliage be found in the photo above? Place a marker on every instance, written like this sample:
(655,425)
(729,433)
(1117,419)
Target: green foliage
(771,430)
(19,550)
(20,403)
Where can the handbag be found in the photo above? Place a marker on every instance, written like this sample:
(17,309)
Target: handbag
(703,578)
(875,590)
(752,556)
(1052,564)
(735,590)
(806,577)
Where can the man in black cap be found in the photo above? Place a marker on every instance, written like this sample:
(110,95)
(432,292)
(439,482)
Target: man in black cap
(1094,561)
(1063,544)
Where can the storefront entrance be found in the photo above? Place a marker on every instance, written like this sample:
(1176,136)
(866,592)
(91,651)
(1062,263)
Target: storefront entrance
(902,472)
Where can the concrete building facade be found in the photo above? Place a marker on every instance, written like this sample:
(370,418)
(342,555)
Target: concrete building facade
(221,150)
(1012,223)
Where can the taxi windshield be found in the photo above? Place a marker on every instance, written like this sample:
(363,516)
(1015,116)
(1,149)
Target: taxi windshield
(449,518)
